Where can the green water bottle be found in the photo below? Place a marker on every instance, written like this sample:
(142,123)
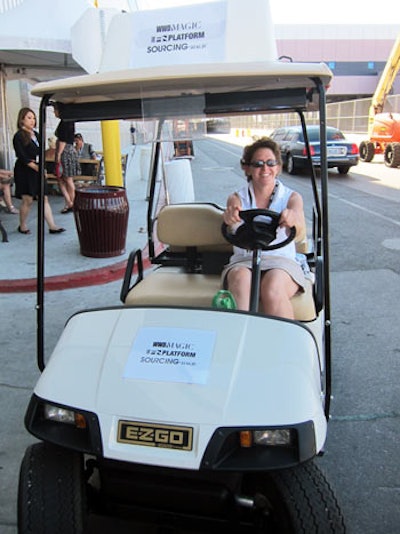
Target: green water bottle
(224,299)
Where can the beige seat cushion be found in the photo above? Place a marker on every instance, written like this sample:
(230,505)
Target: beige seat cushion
(191,225)
(172,286)
(199,225)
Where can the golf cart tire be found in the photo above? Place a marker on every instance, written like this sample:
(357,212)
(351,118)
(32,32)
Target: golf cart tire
(51,491)
(301,500)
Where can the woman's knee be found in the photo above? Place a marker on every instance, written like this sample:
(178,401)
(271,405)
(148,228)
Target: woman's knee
(276,285)
(238,276)
(27,200)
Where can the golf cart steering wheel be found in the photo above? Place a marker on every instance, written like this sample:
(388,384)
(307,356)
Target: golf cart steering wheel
(256,234)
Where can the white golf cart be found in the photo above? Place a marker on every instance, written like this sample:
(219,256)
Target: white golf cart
(166,408)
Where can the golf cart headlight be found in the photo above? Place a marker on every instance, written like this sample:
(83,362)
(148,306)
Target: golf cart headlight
(67,426)
(268,437)
(278,437)
(62,415)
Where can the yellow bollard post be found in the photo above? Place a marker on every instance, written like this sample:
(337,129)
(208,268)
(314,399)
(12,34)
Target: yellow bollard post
(112,153)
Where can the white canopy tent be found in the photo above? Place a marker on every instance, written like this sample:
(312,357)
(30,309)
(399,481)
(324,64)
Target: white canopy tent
(35,45)
(35,39)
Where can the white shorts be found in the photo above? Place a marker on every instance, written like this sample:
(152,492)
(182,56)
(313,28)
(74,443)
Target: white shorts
(292,267)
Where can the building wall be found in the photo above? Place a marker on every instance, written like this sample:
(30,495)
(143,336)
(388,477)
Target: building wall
(356,54)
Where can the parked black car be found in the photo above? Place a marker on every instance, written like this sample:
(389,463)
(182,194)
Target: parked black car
(342,154)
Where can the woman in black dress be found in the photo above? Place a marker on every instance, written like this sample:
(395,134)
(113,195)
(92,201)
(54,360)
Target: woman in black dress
(26,171)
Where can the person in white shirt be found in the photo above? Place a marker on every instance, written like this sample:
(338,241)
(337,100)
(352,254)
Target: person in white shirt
(282,276)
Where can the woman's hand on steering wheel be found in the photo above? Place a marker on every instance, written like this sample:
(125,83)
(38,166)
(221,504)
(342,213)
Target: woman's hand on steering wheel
(287,218)
(254,233)
(231,214)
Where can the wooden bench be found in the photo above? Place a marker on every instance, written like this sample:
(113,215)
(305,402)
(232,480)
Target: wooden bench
(83,178)
(91,177)
(189,273)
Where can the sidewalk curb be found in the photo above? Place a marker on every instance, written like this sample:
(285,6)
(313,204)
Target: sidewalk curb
(92,277)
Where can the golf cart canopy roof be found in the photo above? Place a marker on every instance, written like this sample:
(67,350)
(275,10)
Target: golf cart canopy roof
(218,89)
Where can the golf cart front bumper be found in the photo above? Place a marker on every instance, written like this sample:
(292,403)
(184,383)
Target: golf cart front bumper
(239,392)
(249,448)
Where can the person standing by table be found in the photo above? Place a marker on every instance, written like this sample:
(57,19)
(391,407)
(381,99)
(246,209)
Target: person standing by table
(66,161)
(26,171)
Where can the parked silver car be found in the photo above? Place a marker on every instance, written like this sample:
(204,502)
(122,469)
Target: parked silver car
(342,154)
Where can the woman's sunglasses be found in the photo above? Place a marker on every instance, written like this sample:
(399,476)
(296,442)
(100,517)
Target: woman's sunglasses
(260,163)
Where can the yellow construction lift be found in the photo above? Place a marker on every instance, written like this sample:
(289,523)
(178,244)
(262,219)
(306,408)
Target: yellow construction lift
(384,127)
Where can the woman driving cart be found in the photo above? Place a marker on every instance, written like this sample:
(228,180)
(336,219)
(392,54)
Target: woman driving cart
(282,275)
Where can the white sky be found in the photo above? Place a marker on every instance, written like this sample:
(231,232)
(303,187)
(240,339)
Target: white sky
(308,11)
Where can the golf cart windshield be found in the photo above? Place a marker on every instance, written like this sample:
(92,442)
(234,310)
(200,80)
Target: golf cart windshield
(175,104)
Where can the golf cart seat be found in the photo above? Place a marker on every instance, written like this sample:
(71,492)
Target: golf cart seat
(189,270)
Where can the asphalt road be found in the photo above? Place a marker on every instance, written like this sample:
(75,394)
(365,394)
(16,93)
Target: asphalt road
(361,459)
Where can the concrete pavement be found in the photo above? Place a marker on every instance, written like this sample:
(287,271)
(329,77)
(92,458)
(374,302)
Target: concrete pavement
(65,266)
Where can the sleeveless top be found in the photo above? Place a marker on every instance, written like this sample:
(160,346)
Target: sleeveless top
(279,202)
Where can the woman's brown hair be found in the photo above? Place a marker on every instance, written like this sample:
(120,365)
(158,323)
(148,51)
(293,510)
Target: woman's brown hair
(23,112)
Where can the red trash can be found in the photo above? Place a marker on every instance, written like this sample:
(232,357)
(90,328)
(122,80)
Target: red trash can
(101,218)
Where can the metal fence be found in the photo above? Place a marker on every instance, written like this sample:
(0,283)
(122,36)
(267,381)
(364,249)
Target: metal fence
(350,116)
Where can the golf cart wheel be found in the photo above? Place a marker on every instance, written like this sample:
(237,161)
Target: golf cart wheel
(298,501)
(367,151)
(51,491)
(392,155)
